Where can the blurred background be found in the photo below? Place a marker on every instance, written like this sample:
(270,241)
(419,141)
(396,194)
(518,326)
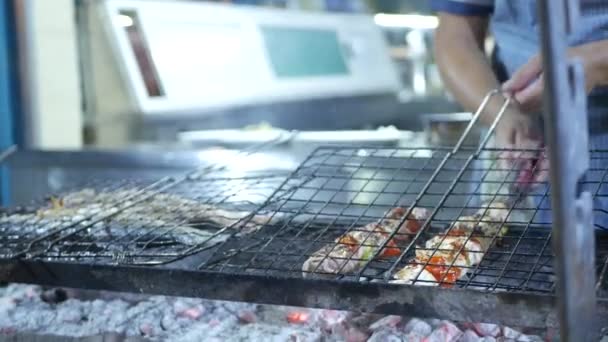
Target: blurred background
(121,73)
(163,83)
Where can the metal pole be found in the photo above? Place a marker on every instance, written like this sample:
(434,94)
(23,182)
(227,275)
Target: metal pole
(8,103)
(565,110)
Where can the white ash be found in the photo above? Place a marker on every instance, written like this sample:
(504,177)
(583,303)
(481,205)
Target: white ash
(81,313)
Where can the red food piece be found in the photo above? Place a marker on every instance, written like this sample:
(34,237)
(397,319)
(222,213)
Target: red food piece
(412,224)
(391,250)
(439,268)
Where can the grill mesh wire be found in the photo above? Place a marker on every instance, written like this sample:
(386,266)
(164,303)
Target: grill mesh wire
(342,190)
(139,223)
(336,190)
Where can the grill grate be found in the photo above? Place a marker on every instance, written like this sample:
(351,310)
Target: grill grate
(271,226)
(342,191)
(137,223)
(275,225)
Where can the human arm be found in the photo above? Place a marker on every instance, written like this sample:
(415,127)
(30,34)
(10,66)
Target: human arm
(468,75)
(463,65)
(466,72)
(526,85)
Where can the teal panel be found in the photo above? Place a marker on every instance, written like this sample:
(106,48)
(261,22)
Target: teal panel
(303,52)
(7,93)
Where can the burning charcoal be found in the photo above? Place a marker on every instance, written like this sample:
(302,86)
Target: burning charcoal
(435,323)
(529,338)
(418,327)
(169,323)
(297,317)
(487,329)
(188,309)
(7,331)
(349,334)
(469,336)
(223,326)
(385,322)
(247,316)
(386,336)
(7,304)
(54,296)
(193,313)
(510,333)
(361,320)
(446,332)
(69,313)
(146,329)
(302,336)
(328,319)
(32,291)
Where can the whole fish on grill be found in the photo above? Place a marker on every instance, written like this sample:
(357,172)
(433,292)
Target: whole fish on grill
(354,248)
(447,257)
(167,215)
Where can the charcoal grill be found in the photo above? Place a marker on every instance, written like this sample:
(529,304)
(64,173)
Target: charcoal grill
(335,190)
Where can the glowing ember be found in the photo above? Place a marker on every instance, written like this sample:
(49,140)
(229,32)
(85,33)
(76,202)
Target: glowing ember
(188,319)
(191,313)
(297,317)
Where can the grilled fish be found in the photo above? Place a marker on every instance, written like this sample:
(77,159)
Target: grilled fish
(163,214)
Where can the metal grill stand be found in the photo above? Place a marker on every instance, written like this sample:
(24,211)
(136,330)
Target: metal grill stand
(567,137)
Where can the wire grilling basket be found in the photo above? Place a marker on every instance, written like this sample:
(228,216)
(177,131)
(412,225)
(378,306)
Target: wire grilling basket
(141,223)
(423,216)
(137,224)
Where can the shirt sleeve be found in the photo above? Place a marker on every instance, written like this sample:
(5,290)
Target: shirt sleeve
(464,7)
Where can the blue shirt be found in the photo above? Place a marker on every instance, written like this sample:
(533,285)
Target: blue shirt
(515,27)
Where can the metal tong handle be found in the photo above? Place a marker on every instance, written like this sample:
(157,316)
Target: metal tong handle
(508,99)
(520,194)
(477,114)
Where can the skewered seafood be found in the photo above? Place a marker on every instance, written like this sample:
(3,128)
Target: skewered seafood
(353,249)
(447,257)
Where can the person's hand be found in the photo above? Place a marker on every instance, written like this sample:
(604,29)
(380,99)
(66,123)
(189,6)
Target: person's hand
(520,145)
(526,85)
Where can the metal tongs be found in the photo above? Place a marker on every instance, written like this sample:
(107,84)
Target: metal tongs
(528,174)
(531,162)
